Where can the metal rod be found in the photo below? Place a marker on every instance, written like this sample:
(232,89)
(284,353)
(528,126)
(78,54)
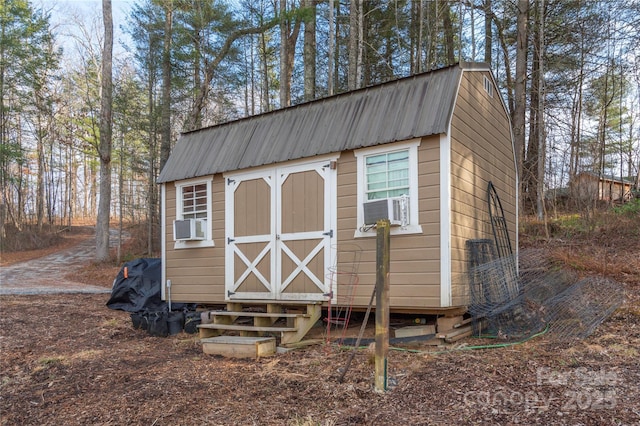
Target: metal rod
(362,327)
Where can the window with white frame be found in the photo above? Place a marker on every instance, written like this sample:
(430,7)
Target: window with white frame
(193,202)
(488,86)
(388,171)
(387,175)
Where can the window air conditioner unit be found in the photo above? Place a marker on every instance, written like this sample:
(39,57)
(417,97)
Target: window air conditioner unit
(189,229)
(395,209)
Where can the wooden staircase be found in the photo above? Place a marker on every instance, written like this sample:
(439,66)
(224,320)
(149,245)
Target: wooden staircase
(251,328)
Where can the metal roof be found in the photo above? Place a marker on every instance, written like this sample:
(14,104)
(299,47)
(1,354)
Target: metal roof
(402,109)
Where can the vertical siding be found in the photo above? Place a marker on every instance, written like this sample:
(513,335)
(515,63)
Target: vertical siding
(302,202)
(415,259)
(196,274)
(302,210)
(253,199)
(481,151)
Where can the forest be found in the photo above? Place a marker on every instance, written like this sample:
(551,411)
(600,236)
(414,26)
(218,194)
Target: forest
(85,128)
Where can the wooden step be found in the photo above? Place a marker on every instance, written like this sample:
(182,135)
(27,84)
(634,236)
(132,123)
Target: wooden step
(239,347)
(238,327)
(299,316)
(256,314)
(276,302)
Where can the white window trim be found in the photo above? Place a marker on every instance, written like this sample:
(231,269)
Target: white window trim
(488,86)
(208,241)
(360,154)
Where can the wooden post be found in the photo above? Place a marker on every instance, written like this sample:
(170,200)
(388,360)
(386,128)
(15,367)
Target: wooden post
(382,303)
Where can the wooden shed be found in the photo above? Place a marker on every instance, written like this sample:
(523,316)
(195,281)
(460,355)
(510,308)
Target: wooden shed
(593,186)
(275,207)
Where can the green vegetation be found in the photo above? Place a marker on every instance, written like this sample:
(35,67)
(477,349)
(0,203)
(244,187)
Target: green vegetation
(632,208)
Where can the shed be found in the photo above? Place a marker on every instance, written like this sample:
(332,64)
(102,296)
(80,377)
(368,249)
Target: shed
(594,186)
(270,207)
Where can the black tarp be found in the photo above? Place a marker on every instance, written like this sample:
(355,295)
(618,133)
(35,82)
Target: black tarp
(137,288)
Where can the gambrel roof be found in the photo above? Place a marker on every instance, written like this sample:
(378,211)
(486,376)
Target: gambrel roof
(411,107)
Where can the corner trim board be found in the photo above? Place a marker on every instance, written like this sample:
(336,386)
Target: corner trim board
(445,220)
(163,239)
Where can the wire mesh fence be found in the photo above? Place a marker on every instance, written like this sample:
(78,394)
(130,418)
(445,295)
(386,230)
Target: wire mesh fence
(514,297)
(344,280)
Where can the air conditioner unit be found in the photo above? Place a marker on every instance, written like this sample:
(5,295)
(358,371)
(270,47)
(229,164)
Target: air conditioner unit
(189,229)
(395,209)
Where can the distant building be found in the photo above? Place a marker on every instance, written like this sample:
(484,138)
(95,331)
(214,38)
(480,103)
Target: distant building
(590,186)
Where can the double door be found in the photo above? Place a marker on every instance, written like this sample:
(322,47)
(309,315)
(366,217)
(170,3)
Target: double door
(280,232)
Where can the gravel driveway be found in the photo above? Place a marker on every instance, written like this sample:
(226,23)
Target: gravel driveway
(46,275)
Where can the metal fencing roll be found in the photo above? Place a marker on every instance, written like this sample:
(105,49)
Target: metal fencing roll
(514,297)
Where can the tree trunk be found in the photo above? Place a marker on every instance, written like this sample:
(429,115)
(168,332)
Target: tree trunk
(165,114)
(488,33)
(41,169)
(310,52)
(72,185)
(504,47)
(448,34)
(360,53)
(542,139)
(432,35)
(353,45)
(102,223)
(576,127)
(520,83)
(332,50)
(266,103)
(531,162)
(335,81)
(153,209)
(288,40)
(292,40)
(285,91)
(417,17)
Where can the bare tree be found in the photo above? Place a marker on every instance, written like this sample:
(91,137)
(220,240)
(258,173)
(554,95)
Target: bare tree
(519,108)
(165,113)
(447,26)
(104,149)
(488,32)
(310,50)
(288,39)
(354,41)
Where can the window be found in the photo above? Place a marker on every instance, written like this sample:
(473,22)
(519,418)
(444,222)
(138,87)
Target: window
(488,86)
(193,201)
(388,171)
(387,175)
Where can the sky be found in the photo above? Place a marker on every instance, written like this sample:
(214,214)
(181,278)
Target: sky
(68,16)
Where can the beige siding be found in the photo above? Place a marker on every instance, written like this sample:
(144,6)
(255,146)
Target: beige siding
(415,259)
(481,151)
(196,274)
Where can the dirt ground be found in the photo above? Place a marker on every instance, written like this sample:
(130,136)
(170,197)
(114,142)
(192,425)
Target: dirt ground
(67,359)
(68,239)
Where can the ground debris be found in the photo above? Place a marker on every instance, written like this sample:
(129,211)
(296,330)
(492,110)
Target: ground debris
(75,370)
